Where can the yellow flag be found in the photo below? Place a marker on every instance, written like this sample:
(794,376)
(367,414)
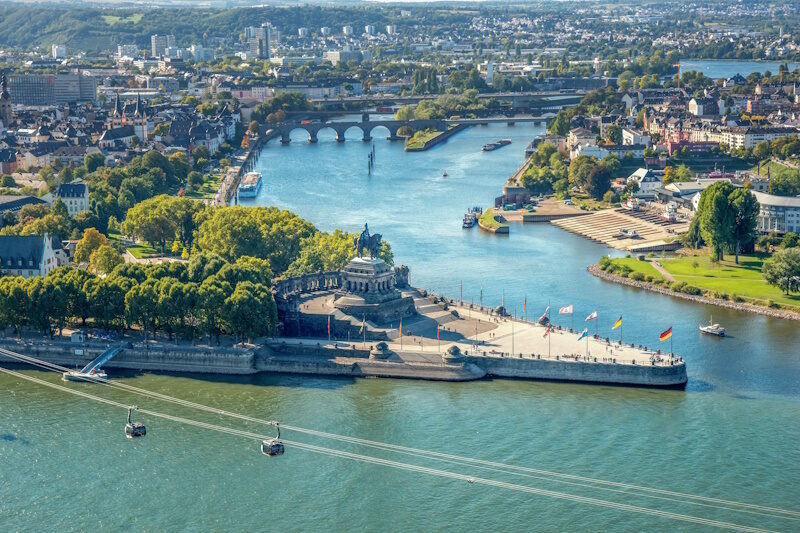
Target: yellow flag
(363,321)
(617,324)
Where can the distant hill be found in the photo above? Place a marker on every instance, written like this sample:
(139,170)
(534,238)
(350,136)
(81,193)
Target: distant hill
(96,29)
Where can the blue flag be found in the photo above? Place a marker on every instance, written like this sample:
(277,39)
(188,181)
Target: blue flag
(584,333)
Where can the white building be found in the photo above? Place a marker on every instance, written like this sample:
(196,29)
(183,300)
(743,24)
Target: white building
(302,32)
(778,214)
(347,30)
(29,255)
(59,51)
(631,136)
(391,29)
(648,181)
(75,196)
(369,29)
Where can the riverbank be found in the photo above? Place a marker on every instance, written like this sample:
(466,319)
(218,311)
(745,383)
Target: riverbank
(489,222)
(596,271)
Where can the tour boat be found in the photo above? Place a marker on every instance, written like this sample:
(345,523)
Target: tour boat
(469,221)
(250,185)
(713,329)
(495,145)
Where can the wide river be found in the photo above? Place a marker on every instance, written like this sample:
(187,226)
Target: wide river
(732,434)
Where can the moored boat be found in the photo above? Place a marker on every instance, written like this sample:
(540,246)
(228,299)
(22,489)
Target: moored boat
(712,329)
(250,185)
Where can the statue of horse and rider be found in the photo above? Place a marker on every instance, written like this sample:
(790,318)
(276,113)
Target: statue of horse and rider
(370,243)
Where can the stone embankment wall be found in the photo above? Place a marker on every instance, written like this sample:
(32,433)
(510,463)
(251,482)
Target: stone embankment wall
(738,306)
(318,360)
(161,357)
(547,369)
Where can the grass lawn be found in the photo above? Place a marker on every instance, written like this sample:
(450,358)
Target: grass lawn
(113,20)
(143,251)
(418,140)
(487,219)
(726,277)
(588,203)
(207,189)
(645,267)
(774,169)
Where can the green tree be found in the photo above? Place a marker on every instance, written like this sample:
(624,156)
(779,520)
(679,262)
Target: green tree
(782,270)
(579,169)
(104,260)
(716,217)
(91,241)
(598,181)
(250,311)
(790,240)
(745,210)
(93,161)
(107,301)
(152,221)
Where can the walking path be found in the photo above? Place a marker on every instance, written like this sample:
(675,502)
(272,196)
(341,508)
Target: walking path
(667,275)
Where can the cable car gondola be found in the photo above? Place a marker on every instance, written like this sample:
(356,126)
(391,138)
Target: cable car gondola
(273,447)
(134,429)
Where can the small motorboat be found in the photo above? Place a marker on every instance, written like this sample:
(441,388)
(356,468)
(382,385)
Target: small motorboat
(444,174)
(627,234)
(713,329)
(134,429)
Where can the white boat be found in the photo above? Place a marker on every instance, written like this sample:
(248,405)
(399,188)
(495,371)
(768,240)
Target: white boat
(250,185)
(628,234)
(91,377)
(713,329)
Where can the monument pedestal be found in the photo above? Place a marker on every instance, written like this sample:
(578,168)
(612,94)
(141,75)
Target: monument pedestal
(368,291)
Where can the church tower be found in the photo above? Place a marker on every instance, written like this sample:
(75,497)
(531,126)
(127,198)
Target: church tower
(5,104)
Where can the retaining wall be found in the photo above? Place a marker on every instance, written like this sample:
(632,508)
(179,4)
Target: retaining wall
(547,369)
(199,359)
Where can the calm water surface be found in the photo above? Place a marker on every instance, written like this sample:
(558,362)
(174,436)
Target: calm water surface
(64,463)
(727,68)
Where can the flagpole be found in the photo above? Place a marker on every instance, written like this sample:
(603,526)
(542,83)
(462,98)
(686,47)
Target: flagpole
(512,337)
(461,298)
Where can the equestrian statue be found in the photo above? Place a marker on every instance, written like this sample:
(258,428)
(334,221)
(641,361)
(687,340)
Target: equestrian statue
(370,243)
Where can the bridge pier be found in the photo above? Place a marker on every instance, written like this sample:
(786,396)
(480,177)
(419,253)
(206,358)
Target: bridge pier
(285,139)
(339,136)
(312,137)
(367,137)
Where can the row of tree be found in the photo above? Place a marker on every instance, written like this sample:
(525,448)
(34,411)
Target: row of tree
(206,296)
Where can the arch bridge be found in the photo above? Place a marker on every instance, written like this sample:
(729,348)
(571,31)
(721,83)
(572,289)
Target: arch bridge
(366,127)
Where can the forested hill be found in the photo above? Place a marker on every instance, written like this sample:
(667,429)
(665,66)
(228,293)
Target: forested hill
(92,29)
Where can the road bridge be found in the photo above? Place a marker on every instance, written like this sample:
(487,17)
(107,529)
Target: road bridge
(285,129)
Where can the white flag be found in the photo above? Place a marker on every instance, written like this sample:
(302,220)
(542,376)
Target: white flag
(565,310)
(592,316)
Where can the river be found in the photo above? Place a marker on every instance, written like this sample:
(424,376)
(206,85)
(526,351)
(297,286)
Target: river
(727,68)
(732,434)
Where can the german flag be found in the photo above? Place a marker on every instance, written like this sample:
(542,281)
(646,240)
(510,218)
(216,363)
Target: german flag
(666,335)
(617,324)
